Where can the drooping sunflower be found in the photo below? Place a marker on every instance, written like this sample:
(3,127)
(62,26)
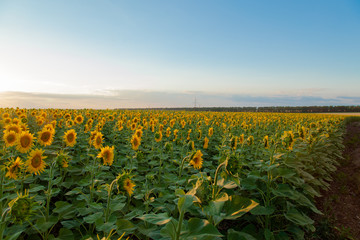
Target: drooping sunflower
(14,168)
(45,137)
(10,138)
(35,162)
(129,186)
(22,208)
(107,154)
(266,141)
(70,138)
(24,141)
(135,142)
(197,160)
(98,140)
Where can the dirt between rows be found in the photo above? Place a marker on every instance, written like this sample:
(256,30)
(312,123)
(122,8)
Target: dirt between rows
(341,203)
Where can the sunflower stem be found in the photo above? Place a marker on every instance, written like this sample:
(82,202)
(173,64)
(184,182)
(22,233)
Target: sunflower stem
(108,201)
(48,197)
(3,222)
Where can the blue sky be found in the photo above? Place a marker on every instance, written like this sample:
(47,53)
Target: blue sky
(107,54)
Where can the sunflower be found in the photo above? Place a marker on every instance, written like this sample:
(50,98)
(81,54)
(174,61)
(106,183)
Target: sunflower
(158,136)
(13,127)
(133,126)
(206,143)
(70,138)
(7,121)
(266,141)
(22,208)
(98,140)
(211,132)
(5,115)
(129,186)
(14,168)
(139,133)
(10,138)
(79,119)
(107,154)
(135,142)
(197,160)
(45,137)
(24,141)
(35,161)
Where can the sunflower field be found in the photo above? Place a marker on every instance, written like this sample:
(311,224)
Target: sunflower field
(121,174)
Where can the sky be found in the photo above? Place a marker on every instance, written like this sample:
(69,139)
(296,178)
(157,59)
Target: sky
(131,54)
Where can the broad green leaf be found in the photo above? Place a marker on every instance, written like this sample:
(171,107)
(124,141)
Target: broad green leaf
(201,228)
(158,219)
(92,218)
(235,235)
(261,210)
(238,206)
(185,202)
(297,217)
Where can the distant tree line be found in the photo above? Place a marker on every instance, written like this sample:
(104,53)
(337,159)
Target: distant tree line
(284,109)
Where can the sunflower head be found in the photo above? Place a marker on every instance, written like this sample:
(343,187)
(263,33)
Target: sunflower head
(206,143)
(125,184)
(158,136)
(197,161)
(79,119)
(211,132)
(70,138)
(62,159)
(107,154)
(14,168)
(35,162)
(45,137)
(22,208)
(135,142)
(98,140)
(24,141)
(10,138)
(13,127)
(266,142)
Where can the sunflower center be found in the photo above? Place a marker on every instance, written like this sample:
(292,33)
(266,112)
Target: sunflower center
(45,136)
(25,141)
(106,155)
(11,138)
(36,161)
(98,140)
(70,137)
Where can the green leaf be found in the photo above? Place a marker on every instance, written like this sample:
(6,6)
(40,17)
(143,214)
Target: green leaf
(185,202)
(235,235)
(65,234)
(69,224)
(92,218)
(158,219)
(261,210)
(201,228)
(238,206)
(124,225)
(297,217)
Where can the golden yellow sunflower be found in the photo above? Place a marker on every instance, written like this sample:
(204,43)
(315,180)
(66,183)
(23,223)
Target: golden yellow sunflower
(133,126)
(158,136)
(35,162)
(24,141)
(14,168)
(5,115)
(98,140)
(45,137)
(107,154)
(206,143)
(7,121)
(197,160)
(139,133)
(79,119)
(70,138)
(10,138)
(129,186)
(13,127)
(135,142)
(211,132)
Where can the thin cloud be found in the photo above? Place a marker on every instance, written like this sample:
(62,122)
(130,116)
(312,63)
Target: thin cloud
(153,99)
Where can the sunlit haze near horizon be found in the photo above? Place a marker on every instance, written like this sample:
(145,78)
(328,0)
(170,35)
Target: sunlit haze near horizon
(130,54)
